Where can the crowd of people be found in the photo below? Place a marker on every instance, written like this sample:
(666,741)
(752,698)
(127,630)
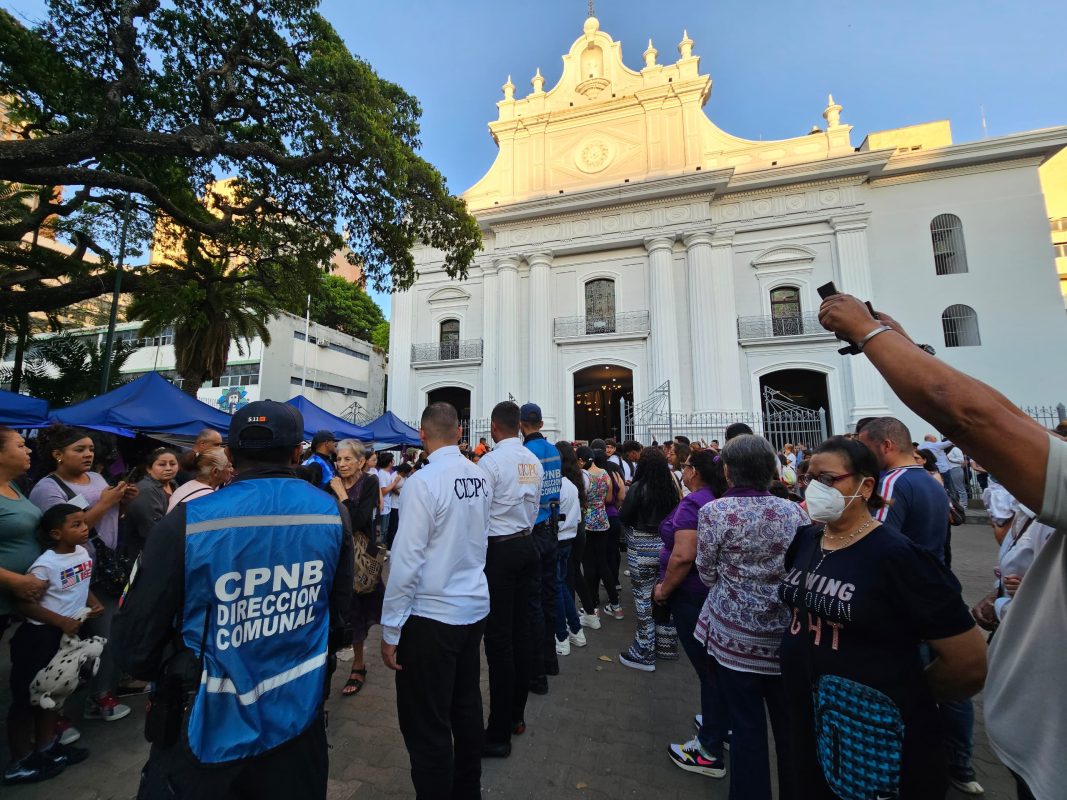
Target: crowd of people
(809,588)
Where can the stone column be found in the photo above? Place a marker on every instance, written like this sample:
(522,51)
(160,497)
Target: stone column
(853,257)
(698,267)
(508,356)
(663,348)
(400,399)
(723,324)
(542,344)
(490,338)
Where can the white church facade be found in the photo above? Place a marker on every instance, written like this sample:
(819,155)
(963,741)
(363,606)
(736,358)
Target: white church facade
(629,242)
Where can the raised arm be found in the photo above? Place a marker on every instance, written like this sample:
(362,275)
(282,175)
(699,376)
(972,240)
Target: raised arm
(963,408)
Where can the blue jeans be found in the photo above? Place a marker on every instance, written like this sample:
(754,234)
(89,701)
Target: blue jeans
(383,527)
(566,610)
(685,607)
(957,724)
(747,693)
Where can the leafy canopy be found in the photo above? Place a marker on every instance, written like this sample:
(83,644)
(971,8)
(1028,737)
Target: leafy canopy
(160,100)
(343,306)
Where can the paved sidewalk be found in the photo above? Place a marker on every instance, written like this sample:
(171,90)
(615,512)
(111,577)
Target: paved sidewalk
(600,733)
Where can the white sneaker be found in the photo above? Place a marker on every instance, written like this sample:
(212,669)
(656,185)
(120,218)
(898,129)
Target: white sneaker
(563,648)
(591,621)
(615,611)
(347,654)
(578,639)
(972,787)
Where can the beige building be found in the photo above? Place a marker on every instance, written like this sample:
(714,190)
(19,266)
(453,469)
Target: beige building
(1054,184)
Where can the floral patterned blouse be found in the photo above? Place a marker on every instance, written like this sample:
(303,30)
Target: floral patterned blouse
(596,514)
(741,542)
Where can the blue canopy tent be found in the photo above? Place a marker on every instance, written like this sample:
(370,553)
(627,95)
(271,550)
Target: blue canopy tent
(319,419)
(151,405)
(22,411)
(390,429)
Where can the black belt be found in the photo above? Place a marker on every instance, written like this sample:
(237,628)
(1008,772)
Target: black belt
(509,537)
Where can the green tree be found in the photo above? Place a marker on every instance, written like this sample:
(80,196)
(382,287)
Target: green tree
(159,101)
(65,369)
(380,337)
(344,306)
(210,304)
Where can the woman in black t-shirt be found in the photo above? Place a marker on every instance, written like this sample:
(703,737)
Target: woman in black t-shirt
(871,598)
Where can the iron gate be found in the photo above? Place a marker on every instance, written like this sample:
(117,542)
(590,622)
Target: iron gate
(780,420)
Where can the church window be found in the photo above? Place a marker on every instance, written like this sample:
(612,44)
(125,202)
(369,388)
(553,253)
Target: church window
(600,306)
(950,255)
(785,311)
(449,339)
(960,324)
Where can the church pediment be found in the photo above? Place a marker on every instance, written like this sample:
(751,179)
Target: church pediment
(784,256)
(605,124)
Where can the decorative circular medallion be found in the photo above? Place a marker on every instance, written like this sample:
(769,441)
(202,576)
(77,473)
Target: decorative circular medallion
(594,155)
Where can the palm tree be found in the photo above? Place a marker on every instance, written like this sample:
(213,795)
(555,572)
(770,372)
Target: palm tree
(65,369)
(210,304)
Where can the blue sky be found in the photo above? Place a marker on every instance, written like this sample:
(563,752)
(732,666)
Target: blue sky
(772,63)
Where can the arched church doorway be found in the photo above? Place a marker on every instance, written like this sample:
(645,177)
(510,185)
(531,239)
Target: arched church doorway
(457,397)
(804,388)
(597,391)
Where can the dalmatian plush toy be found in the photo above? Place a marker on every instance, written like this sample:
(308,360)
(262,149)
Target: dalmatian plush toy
(77,660)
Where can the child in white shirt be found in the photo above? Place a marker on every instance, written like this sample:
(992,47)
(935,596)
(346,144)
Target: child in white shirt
(67,568)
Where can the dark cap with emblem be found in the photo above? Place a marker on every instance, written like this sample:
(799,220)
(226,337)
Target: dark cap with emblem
(322,436)
(265,424)
(530,412)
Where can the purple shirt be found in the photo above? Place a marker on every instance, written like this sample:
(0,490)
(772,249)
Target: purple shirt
(683,518)
(48,493)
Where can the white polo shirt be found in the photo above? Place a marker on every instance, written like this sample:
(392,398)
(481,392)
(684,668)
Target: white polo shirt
(437,564)
(514,474)
(570,509)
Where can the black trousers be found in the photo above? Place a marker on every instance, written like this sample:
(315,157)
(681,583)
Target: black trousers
(509,569)
(298,769)
(543,604)
(576,581)
(616,547)
(597,569)
(439,703)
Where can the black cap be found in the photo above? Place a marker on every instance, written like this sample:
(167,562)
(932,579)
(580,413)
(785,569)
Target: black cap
(530,412)
(322,436)
(264,424)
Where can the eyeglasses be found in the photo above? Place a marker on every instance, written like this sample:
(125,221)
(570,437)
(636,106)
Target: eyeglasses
(829,479)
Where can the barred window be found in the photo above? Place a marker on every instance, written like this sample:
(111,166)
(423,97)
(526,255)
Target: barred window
(449,331)
(600,306)
(960,324)
(950,255)
(785,311)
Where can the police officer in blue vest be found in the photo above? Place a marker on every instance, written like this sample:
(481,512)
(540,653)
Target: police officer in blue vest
(545,535)
(234,614)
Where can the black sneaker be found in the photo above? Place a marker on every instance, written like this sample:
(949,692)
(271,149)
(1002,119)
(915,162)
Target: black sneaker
(66,754)
(33,768)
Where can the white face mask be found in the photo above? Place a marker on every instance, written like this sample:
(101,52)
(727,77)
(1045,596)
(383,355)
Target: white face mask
(826,504)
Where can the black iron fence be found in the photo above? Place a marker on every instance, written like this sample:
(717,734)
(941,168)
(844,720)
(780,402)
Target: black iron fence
(767,327)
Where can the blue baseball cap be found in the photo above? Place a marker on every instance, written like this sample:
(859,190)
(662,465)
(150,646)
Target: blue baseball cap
(264,424)
(530,412)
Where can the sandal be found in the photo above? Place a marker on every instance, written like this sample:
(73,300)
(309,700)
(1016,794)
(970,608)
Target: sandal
(354,685)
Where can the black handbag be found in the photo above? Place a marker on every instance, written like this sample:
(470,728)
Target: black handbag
(111,569)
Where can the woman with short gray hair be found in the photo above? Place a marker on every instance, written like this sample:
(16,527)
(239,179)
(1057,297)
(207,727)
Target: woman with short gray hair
(358,490)
(741,542)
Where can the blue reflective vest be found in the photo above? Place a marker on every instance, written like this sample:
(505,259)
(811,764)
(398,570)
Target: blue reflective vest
(327,468)
(550,483)
(260,557)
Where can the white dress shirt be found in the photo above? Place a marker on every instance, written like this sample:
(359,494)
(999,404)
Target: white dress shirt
(569,509)
(385,478)
(624,465)
(514,474)
(437,564)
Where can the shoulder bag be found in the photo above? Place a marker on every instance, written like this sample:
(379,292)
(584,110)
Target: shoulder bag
(368,565)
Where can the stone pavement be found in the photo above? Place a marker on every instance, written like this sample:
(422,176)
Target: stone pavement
(600,733)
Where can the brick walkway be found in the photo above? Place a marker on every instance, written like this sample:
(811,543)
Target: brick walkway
(600,733)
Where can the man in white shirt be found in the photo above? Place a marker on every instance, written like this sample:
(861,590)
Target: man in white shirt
(616,458)
(956,484)
(433,616)
(387,481)
(514,476)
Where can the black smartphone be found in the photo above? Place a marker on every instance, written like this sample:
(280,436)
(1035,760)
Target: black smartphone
(128,477)
(827,290)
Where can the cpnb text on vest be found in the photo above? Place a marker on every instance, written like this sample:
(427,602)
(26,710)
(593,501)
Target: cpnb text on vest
(265,601)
